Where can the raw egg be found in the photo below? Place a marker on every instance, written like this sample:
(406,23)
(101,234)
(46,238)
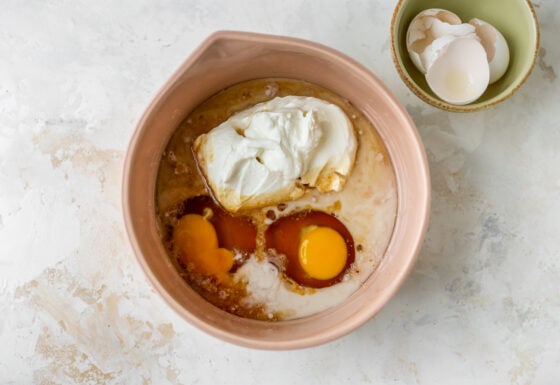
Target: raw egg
(196,242)
(207,239)
(234,232)
(312,248)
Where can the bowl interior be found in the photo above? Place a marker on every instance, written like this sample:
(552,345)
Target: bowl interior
(227,58)
(515,19)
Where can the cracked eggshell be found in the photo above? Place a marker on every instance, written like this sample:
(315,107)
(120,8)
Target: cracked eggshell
(434,50)
(460,75)
(429,32)
(496,47)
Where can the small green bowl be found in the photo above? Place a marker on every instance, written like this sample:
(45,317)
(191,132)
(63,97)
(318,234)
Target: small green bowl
(515,19)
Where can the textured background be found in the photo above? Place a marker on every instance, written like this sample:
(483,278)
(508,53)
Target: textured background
(482,305)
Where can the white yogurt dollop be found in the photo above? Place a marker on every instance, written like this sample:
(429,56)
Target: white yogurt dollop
(273,151)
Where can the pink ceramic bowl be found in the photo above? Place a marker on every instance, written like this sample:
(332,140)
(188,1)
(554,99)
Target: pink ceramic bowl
(226,58)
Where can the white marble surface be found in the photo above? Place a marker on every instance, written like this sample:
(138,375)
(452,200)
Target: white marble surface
(482,305)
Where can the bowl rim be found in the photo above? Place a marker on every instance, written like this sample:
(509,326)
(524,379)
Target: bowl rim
(355,320)
(436,102)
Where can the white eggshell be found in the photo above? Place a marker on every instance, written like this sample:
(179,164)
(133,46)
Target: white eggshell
(496,48)
(440,28)
(432,51)
(461,73)
(419,34)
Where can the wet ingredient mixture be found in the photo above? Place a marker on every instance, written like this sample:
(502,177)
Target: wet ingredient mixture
(275,260)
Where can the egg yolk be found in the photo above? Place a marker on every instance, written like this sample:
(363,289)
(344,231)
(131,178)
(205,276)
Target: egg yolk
(322,252)
(196,242)
(306,246)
